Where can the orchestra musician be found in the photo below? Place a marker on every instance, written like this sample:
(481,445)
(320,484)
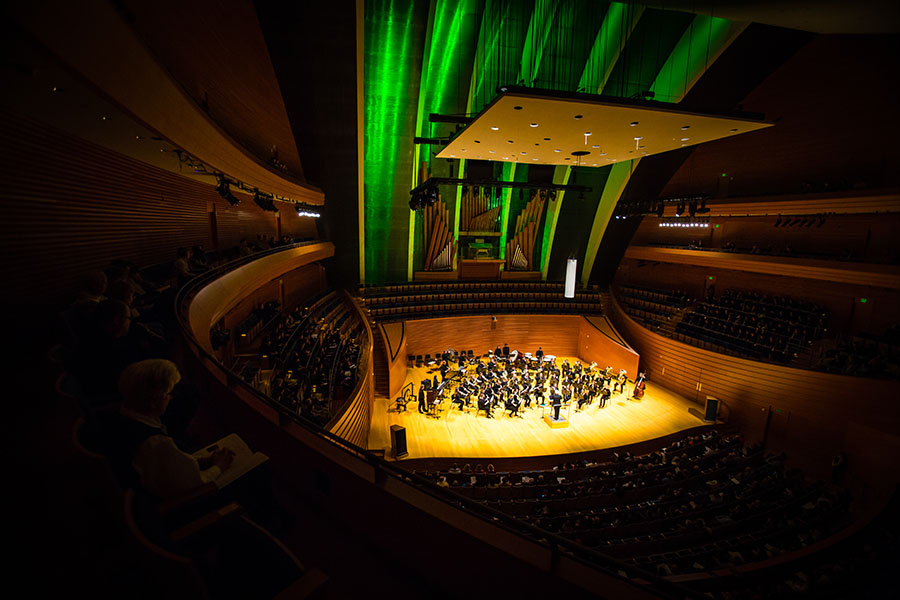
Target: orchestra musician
(620,381)
(604,396)
(639,385)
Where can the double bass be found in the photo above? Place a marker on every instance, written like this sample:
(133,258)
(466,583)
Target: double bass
(639,386)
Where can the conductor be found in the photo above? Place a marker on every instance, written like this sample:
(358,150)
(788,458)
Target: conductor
(555,402)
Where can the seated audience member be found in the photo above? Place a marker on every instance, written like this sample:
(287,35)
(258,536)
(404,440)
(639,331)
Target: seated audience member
(181,268)
(123,291)
(78,316)
(107,346)
(141,448)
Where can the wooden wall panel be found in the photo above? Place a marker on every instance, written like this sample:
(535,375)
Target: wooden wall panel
(808,408)
(245,221)
(594,346)
(303,283)
(355,420)
(242,310)
(886,276)
(866,236)
(557,334)
(294,226)
(219,56)
(71,206)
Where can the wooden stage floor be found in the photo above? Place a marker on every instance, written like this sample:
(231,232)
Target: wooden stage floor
(462,434)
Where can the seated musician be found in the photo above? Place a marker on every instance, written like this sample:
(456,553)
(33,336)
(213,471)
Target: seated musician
(445,368)
(460,398)
(484,403)
(604,396)
(583,398)
(621,379)
(512,405)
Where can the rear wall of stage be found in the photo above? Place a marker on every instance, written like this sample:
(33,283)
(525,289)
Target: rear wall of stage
(562,335)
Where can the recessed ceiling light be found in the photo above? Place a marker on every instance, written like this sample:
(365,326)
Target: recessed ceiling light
(533,159)
(594,164)
(557,150)
(517,108)
(534,124)
(685,127)
(505,158)
(633,123)
(579,116)
(595,146)
(509,141)
(492,151)
(638,138)
(495,128)
(602,154)
(477,141)
(587,133)
(685,139)
(734,131)
(452,156)
(522,152)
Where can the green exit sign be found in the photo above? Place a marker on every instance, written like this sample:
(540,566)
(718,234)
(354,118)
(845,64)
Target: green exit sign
(863,300)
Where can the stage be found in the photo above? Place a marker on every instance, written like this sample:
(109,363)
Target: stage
(463,434)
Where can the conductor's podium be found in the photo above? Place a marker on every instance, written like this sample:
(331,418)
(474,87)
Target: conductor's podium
(554,424)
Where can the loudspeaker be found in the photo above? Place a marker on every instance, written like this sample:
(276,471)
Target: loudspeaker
(398,441)
(712,409)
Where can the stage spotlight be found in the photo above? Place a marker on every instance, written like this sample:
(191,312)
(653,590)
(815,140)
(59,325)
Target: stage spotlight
(703,208)
(692,208)
(660,209)
(224,190)
(680,210)
(778,222)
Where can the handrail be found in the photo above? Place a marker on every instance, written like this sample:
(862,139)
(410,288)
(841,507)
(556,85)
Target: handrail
(556,544)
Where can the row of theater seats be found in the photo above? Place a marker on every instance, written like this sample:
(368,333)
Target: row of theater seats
(198,543)
(427,311)
(315,363)
(864,355)
(422,301)
(651,307)
(372,291)
(756,326)
(703,503)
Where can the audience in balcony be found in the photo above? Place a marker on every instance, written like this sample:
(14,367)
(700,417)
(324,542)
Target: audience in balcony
(756,325)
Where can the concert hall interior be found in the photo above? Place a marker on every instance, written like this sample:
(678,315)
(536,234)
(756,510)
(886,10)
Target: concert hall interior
(460,298)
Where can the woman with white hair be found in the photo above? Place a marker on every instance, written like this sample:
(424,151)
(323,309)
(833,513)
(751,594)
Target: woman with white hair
(140,442)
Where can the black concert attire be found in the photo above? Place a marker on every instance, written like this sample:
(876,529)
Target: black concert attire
(556,402)
(604,397)
(505,351)
(422,408)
